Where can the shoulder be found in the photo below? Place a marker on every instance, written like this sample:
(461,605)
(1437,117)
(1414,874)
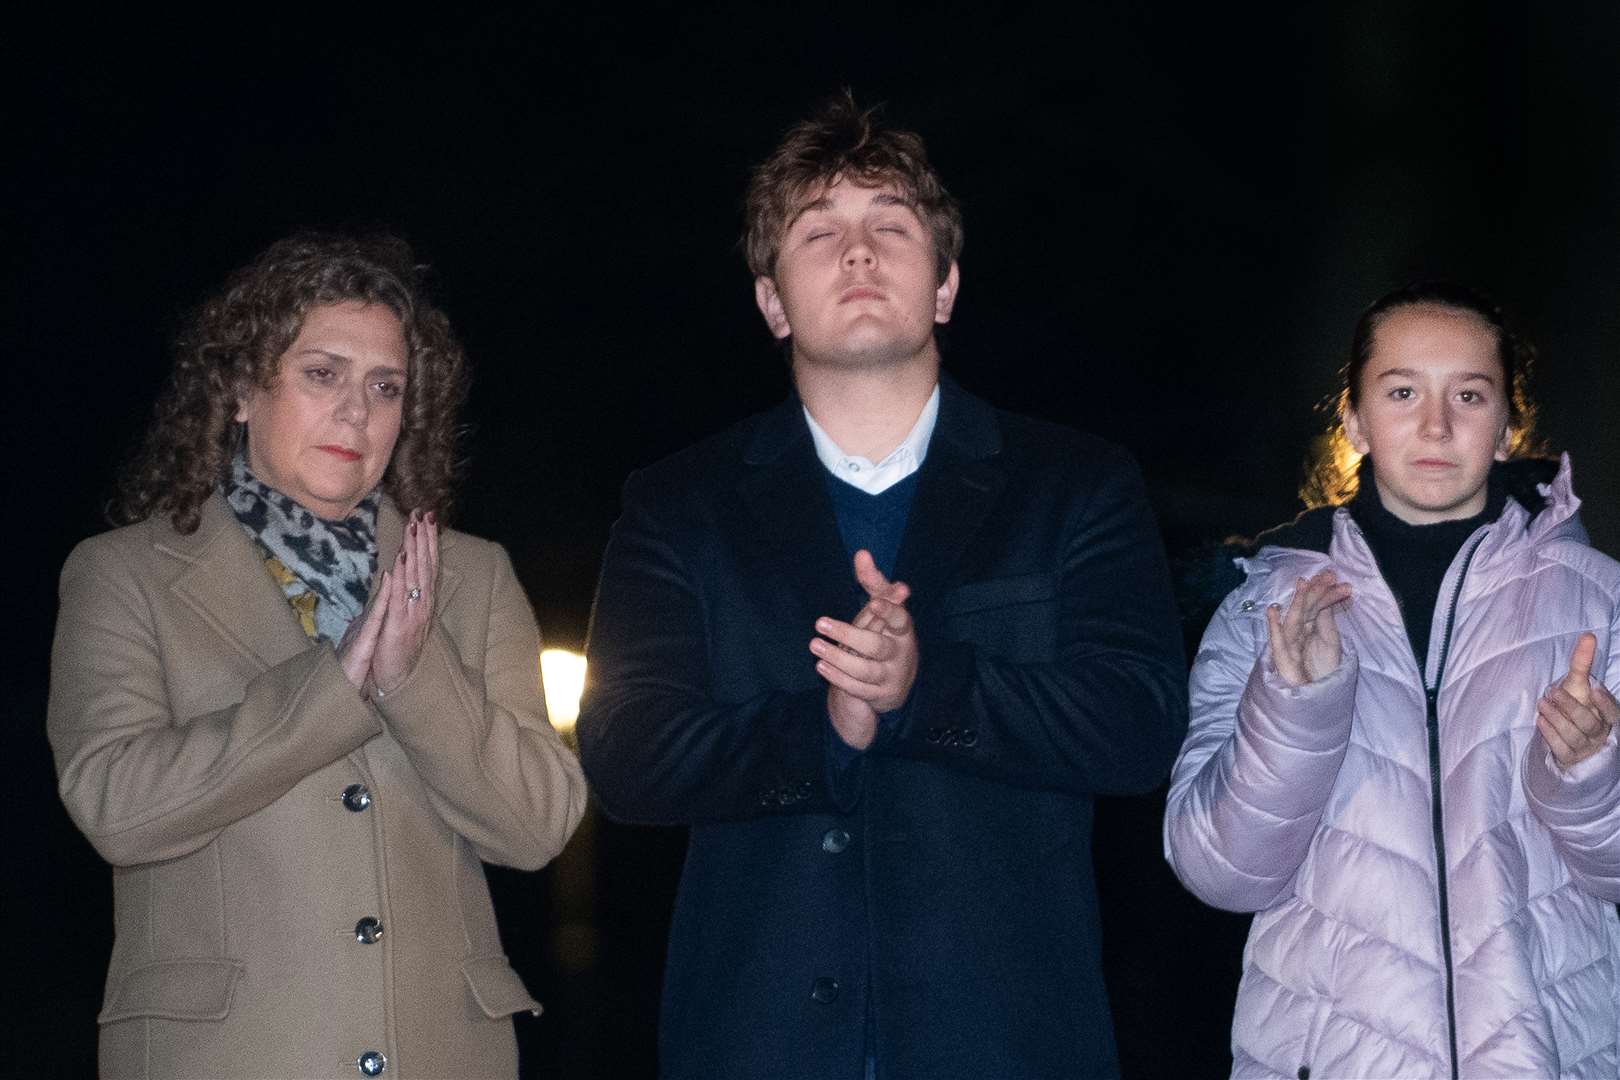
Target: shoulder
(1245,569)
(125,550)
(464,549)
(711,464)
(1043,445)
(1585,562)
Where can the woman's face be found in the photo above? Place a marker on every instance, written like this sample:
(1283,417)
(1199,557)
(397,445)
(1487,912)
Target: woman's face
(1433,412)
(323,434)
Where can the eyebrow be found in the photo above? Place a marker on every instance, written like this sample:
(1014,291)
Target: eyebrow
(1411,373)
(884,199)
(318,351)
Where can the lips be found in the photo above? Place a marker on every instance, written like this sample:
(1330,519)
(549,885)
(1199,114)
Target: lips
(861,292)
(1433,465)
(342,452)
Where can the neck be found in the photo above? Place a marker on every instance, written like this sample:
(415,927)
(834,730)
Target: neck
(867,412)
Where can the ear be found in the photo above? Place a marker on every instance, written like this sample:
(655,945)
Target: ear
(1353,433)
(770,306)
(245,403)
(945,295)
(1504,444)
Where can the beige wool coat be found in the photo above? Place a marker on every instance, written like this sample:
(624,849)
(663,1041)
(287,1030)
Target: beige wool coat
(256,809)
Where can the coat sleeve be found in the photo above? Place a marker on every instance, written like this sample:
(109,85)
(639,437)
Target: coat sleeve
(658,746)
(1580,806)
(143,784)
(1253,778)
(1105,713)
(475,729)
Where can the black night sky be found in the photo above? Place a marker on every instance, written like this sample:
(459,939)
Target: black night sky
(1173,215)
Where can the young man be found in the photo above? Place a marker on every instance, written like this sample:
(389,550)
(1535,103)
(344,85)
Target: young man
(879,647)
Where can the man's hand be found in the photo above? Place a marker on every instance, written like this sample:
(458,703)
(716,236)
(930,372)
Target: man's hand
(870,664)
(1576,714)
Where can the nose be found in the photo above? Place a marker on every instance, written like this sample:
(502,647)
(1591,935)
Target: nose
(353,406)
(860,251)
(1436,420)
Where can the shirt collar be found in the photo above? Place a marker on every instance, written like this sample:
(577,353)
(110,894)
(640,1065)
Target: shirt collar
(901,462)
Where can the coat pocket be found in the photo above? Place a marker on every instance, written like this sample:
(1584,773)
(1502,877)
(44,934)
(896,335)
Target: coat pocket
(497,988)
(191,989)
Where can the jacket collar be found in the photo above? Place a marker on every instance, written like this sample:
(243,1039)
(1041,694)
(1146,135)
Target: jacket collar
(785,490)
(224,581)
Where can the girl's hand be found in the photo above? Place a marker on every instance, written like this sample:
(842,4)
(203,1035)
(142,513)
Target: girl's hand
(1576,714)
(1304,640)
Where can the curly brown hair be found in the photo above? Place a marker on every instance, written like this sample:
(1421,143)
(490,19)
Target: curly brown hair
(1332,473)
(842,140)
(235,341)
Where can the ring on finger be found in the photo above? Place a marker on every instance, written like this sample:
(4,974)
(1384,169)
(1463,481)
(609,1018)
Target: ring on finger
(414,594)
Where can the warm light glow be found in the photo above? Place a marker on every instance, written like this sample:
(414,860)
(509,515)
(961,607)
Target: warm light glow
(563,674)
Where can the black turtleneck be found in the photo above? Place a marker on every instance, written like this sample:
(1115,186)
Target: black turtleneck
(1413,559)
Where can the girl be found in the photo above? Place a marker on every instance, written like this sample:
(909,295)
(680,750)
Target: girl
(1402,755)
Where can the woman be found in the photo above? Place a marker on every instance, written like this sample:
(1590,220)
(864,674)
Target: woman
(295,763)
(1399,758)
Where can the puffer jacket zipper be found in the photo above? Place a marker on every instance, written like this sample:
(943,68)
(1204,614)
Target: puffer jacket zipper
(1437,814)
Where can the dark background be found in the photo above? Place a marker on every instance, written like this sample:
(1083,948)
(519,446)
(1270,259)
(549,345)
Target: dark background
(1173,216)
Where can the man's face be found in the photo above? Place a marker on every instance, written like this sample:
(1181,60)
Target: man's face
(855,282)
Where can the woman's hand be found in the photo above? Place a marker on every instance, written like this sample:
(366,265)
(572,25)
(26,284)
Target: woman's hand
(1576,714)
(1304,640)
(359,642)
(408,605)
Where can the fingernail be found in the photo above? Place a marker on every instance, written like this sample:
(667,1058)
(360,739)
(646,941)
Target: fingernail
(431,520)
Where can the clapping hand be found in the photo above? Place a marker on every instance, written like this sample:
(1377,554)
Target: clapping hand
(1304,639)
(869,663)
(1576,714)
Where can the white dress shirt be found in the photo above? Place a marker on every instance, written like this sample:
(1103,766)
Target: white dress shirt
(901,462)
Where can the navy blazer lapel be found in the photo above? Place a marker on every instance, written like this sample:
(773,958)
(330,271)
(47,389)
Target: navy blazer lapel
(960,481)
(795,535)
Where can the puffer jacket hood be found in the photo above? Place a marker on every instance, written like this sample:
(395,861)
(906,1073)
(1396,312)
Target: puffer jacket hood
(1435,897)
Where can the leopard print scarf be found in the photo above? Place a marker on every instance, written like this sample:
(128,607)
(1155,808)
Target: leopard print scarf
(324,567)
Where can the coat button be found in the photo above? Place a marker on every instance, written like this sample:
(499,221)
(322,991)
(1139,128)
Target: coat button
(371,1063)
(356,797)
(834,841)
(824,990)
(1304,1072)
(969,737)
(368,931)
(1248,605)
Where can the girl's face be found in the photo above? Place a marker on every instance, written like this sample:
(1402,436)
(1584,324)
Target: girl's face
(1433,412)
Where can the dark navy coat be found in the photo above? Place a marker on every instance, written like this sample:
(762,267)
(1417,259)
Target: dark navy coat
(942,884)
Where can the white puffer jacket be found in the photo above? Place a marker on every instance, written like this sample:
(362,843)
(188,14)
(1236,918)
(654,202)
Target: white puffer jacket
(1315,807)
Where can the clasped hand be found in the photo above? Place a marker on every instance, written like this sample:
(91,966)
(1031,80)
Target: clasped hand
(380,648)
(1576,713)
(869,663)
